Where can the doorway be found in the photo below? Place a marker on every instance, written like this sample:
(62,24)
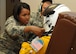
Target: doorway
(9,7)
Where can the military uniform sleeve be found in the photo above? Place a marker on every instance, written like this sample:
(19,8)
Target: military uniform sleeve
(12,28)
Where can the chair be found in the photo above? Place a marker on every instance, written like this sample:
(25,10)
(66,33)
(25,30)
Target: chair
(63,40)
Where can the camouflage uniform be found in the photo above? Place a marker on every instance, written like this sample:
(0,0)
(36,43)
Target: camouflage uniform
(13,36)
(36,19)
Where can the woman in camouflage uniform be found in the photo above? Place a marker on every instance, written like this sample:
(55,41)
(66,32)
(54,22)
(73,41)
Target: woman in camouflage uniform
(17,28)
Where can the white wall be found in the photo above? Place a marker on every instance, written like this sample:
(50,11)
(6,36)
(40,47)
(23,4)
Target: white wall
(33,4)
(70,3)
(2,14)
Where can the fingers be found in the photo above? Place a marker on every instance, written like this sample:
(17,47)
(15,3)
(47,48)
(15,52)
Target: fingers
(42,30)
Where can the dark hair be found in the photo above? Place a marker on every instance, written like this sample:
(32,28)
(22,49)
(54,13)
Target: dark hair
(47,0)
(18,7)
(50,1)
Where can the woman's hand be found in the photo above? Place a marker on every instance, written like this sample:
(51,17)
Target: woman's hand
(36,30)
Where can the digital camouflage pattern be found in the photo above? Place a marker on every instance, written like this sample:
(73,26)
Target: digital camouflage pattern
(13,36)
(36,19)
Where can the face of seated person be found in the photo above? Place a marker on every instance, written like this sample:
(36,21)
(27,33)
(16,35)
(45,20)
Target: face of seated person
(24,16)
(45,5)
